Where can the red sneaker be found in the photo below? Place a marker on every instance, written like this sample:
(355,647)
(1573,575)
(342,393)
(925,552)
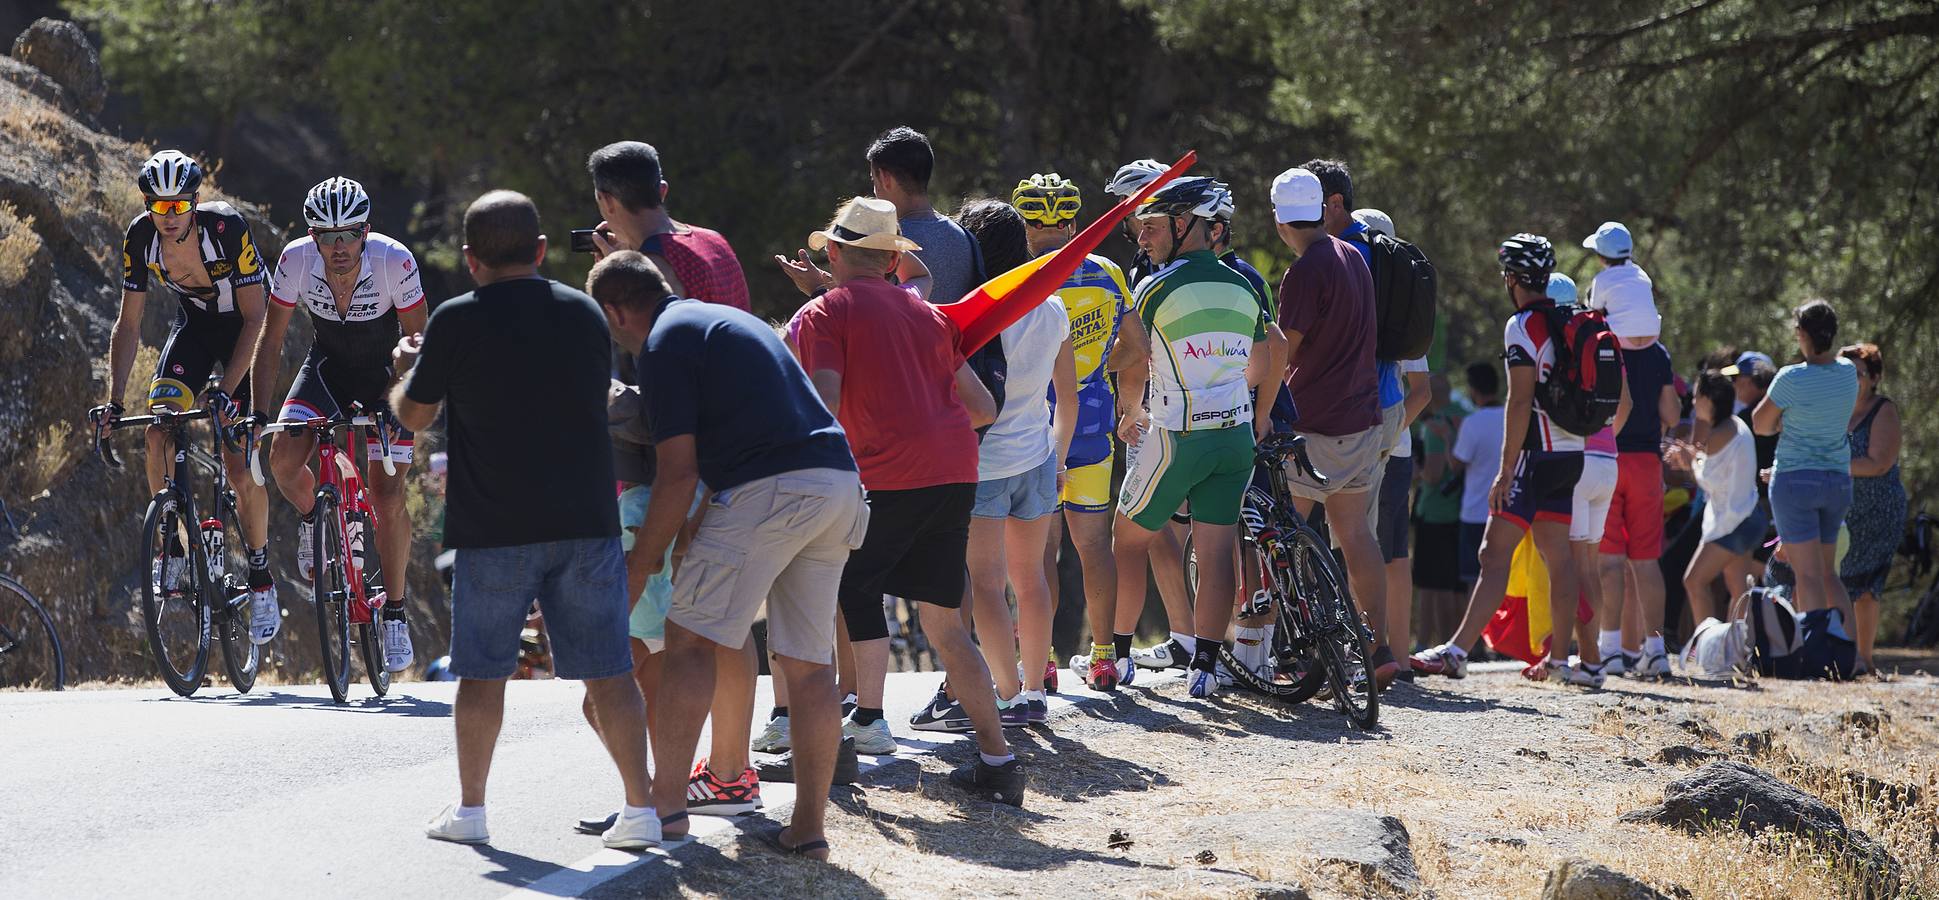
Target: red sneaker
(707,795)
(1104,675)
(1050,676)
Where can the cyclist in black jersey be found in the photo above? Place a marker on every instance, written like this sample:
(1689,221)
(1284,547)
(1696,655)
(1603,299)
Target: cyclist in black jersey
(360,288)
(202,254)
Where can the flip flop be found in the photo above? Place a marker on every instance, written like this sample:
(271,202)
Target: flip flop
(672,819)
(772,838)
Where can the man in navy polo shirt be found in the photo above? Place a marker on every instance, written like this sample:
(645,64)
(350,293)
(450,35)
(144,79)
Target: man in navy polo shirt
(730,406)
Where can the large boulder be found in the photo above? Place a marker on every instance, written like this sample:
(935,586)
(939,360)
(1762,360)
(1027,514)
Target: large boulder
(62,50)
(1751,800)
(1580,879)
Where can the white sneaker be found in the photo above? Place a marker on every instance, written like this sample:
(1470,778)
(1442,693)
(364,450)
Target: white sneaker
(774,737)
(1577,673)
(1168,655)
(633,832)
(448,826)
(265,616)
(1202,683)
(1655,665)
(1620,663)
(306,549)
(398,654)
(873,739)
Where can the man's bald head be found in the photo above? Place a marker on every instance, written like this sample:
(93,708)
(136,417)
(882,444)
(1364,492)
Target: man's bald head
(502,229)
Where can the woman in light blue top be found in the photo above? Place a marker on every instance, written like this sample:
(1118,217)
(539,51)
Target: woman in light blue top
(1808,407)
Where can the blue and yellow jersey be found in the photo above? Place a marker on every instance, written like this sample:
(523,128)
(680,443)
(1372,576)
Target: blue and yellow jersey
(1095,296)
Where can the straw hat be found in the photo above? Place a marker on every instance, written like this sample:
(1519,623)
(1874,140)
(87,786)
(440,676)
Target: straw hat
(864,222)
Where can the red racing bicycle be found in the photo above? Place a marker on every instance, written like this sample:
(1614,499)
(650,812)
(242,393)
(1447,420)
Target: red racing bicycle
(347,588)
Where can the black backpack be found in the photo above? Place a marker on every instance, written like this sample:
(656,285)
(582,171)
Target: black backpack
(1585,386)
(988,361)
(1403,298)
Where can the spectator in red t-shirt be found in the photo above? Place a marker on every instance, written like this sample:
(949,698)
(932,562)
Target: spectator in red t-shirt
(696,261)
(891,368)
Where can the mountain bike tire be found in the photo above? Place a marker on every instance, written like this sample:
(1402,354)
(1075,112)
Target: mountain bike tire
(171,619)
(30,648)
(1342,642)
(331,597)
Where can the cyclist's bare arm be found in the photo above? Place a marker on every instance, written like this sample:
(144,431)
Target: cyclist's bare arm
(268,366)
(252,302)
(413,320)
(123,342)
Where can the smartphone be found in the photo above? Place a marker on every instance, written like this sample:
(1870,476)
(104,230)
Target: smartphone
(582,240)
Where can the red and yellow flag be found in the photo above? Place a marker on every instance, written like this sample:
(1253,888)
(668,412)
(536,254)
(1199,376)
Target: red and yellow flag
(1520,628)
(983,313)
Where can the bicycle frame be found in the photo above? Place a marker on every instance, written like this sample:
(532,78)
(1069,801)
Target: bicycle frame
(187,453)
(341,481)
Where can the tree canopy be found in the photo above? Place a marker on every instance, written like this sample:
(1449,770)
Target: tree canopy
(1763,151)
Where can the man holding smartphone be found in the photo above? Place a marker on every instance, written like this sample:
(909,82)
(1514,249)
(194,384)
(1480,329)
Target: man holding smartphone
(627,184)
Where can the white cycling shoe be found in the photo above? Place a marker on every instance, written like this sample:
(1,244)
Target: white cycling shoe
(398,654)
(265,615)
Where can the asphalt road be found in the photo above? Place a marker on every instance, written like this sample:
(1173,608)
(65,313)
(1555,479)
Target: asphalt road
(138,793)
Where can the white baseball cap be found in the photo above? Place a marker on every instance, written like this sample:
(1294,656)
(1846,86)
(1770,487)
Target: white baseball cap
(1611,240)
(1297,196)
(1375,220)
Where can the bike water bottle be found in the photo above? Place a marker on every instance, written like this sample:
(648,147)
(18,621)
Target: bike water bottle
(212,542)
(353,528)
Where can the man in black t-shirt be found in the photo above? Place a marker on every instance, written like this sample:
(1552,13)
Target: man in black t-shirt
(521,364)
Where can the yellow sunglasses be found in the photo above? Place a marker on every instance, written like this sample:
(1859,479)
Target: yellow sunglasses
(170,207)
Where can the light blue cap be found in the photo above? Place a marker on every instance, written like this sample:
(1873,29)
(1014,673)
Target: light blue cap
(1561,288)
(1611,240)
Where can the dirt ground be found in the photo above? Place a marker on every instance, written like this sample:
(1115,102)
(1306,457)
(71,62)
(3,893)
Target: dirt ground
(1494,778)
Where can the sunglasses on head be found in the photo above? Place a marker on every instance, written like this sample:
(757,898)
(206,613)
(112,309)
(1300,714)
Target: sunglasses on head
(170,207)
(336,236)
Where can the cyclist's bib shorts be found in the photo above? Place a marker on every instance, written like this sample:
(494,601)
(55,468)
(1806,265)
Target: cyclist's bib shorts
(197,345)
(1210,468)
(1544,487)
(1088,488)
(324,387)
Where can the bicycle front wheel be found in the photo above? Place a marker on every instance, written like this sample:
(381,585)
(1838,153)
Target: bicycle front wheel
(370,635)
(330,582)
(1293,674)
(1343,645)
(30,648)
(172,609)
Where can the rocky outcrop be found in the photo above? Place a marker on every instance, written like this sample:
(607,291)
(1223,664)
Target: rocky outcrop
(70,525)
(1580,879)
(63,53)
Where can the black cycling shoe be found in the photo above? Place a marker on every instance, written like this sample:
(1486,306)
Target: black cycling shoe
(998,784)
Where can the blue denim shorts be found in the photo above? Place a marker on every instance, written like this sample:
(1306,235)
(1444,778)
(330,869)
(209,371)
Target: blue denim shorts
(1749,534)
(1031,495)
(1810,504)
(580,586)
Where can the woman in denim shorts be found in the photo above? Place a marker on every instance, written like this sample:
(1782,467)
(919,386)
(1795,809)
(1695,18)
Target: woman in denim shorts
(1808,407)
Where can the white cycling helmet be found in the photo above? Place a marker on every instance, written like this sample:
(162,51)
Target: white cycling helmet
(1222,207)
(336,203)
(1131,177)
(170,173)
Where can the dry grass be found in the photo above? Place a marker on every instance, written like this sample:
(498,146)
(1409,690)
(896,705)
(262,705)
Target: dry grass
(18,246)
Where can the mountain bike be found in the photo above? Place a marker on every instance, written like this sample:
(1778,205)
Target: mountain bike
(347,588)
(1922,627)
(30,648)
(1319,637)
(191,586)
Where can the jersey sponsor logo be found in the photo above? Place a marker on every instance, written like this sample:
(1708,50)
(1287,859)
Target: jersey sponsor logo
(1212,350)
(409,266)
(219,269)
(1225,416)
(246,261)
(169,392)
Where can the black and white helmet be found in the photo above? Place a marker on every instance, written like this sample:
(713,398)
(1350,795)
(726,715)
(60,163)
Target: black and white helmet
(1203,197)
(1529,258)
(1132,177)
(1222,207)
(336,203)
(170,173)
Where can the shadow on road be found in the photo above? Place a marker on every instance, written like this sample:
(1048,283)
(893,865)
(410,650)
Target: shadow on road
(396,705)
(987,834)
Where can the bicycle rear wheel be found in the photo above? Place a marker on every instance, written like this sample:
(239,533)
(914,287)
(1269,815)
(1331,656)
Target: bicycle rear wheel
(1922,628)
(173,613)
(30,648)
(1295,675)
(241,658)
(1344,647)
(332,596)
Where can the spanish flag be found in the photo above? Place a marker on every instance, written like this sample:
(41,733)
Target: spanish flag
(1000,302)
(1520,628)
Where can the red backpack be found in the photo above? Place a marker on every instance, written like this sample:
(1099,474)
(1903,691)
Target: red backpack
(1585,386)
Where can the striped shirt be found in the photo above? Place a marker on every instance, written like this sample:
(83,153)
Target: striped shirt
(1817,401)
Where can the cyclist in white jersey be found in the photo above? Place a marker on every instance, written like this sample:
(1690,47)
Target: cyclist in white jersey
(362,290)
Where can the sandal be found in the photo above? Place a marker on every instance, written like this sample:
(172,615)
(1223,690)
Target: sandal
(772,838)
(672,819)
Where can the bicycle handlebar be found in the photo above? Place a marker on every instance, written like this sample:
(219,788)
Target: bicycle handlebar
(332,423)
(1278,447)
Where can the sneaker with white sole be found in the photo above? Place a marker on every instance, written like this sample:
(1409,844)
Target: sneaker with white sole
(449,826)
(1576,672)
(1442,659)
(633,832)
(1202,684)
(773,737)
(306,549)
(708,795)
(1654,665)
(1127,672)
(398,654)
(942,714)
(1168,655)
(1620,663)
(873,739)
(265,616)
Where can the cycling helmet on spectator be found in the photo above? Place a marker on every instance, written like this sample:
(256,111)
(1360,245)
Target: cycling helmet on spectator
(335,204)
(1132,177)
(1047,199)
(170,173)
(1202,197)
(1529,259)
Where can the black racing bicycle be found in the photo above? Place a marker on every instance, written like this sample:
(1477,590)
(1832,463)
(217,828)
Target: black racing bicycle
(1922,627)
(192,589)
(30,648)
(1319,637)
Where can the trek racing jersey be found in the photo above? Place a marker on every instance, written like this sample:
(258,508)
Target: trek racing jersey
(1203,319)
(367,331)
(228,258)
